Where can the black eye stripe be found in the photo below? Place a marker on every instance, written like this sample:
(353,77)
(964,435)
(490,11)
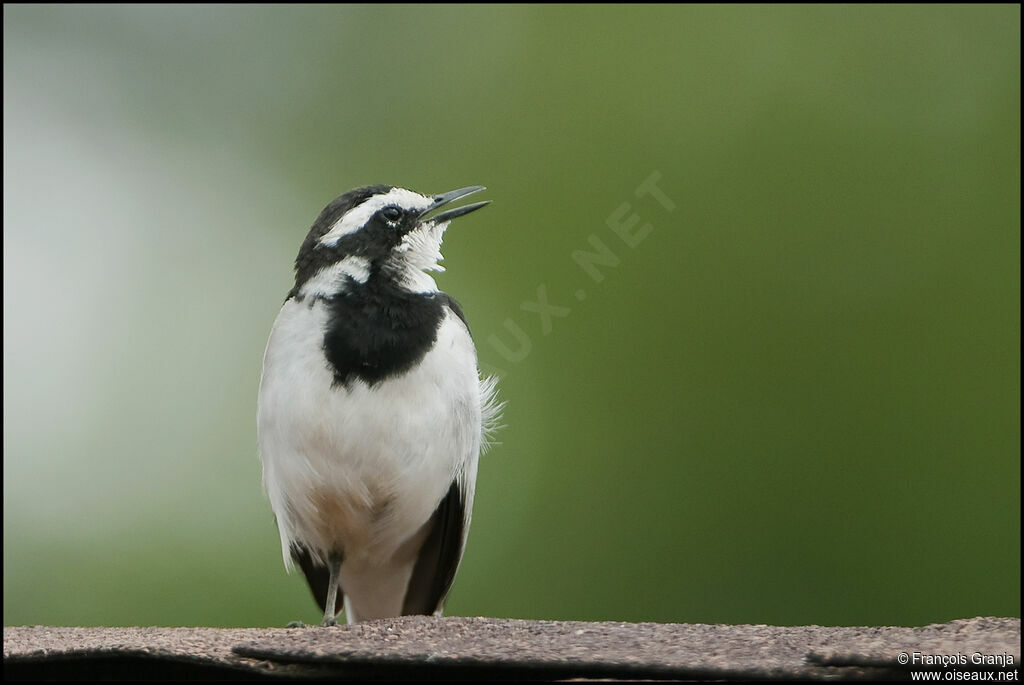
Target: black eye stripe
(391,213)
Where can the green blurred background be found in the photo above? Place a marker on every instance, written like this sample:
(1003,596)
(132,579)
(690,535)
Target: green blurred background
(796,400)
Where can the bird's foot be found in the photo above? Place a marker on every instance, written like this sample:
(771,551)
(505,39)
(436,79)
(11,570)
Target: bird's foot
(329,622)
(296,624)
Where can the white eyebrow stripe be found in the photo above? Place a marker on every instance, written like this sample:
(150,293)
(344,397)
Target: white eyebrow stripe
(357,217)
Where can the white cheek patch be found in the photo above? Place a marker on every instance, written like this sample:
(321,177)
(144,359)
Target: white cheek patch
(357,217)
(325,282)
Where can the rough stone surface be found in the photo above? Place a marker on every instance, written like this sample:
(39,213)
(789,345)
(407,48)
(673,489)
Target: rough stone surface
(425,648)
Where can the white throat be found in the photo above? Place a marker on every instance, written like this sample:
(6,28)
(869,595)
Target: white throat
(418,253)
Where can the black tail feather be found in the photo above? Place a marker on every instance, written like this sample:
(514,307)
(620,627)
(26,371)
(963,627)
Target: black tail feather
(317,575)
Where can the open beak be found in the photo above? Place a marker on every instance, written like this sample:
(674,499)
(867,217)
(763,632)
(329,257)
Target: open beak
(445,198)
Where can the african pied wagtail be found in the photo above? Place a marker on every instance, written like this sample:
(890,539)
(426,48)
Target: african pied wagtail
(372,413)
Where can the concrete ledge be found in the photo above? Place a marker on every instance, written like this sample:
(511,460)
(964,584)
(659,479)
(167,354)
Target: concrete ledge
(427,648)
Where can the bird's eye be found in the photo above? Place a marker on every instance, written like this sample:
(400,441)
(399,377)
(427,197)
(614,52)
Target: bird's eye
(391,214)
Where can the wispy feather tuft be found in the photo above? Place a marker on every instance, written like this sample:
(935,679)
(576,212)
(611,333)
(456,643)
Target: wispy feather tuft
(490,410)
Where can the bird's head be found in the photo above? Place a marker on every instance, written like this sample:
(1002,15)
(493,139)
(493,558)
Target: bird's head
(380,232)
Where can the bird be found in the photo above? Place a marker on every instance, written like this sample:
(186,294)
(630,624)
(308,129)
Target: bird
(372,412)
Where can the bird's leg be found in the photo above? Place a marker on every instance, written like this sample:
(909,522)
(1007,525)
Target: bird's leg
(333,568)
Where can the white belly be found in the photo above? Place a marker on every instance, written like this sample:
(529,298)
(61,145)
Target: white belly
(359,470)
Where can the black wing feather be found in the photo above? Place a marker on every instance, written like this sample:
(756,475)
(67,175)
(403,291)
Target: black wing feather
(456,308)
(439,557)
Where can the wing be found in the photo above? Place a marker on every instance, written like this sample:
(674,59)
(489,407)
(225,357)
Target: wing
(317,576)
(440,555)
(456,309)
